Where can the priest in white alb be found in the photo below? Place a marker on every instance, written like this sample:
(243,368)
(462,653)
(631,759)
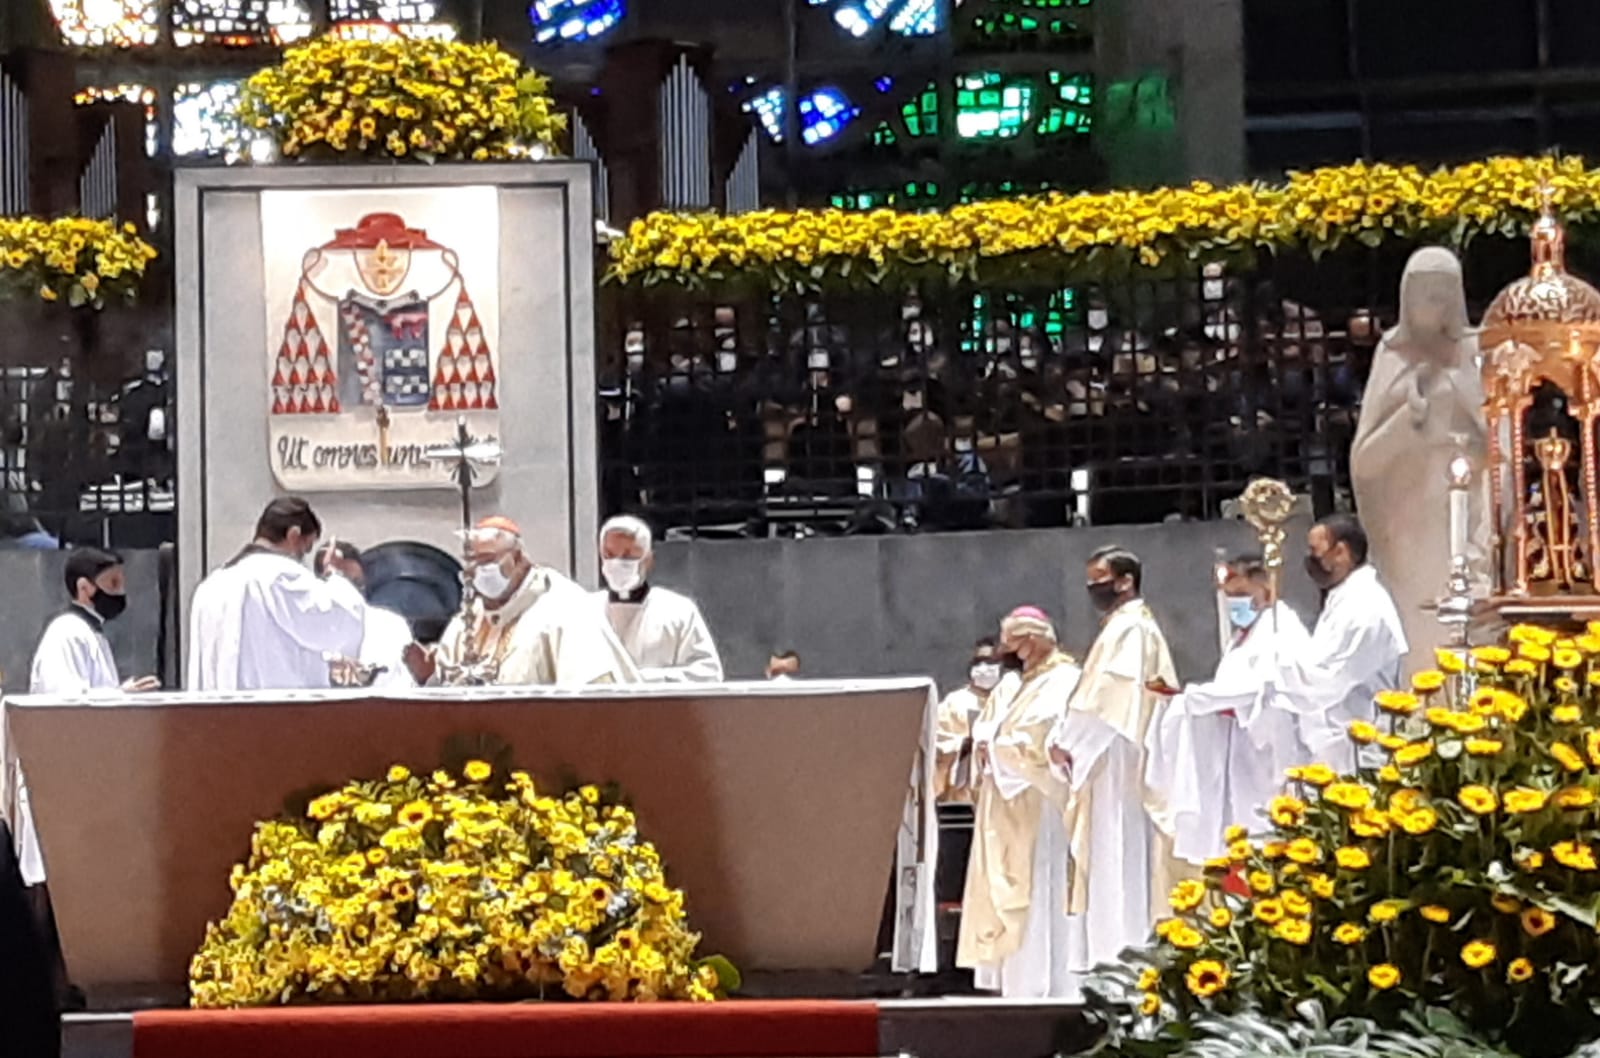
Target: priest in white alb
(265,621)
(1356,649)
(957,711)
(1013,915)
(1121,868)
(534,625)
(1221,749)
(664,632)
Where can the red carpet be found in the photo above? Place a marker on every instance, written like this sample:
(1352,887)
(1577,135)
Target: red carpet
(786,1029)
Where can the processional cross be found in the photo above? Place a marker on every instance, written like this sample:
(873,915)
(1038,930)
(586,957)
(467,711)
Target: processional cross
(466,456)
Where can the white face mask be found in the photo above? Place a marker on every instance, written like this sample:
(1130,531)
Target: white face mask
(622,574)
(985,675)
(490,581)
(1098,318)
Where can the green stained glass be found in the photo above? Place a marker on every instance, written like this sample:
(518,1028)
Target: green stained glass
(1068,102)
(921,113)
(989,105)
(884,135)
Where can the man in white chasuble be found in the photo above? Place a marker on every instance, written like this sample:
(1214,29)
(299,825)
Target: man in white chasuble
(1122,867)
(1013,921)
(532,624)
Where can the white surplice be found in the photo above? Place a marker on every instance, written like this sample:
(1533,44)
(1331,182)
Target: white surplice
(954,718)
(1355,651)
(1118,860)
(1219,753)
(1015,934)
(548,632)
(383,642)
(264,623)
(73,657)
(73,660)
(666,635)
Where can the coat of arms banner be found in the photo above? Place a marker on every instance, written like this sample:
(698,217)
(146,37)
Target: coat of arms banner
(383,309)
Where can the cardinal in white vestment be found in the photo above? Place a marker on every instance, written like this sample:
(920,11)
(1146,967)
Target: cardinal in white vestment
(1355,651)
(664,631)
(954,779)
(1221,749)
(386,634)
(265,621)
(1121,865)
(1013,920)
(535,625)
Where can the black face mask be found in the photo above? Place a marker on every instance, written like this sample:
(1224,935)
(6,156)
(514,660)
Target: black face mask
(1318,572)
(1102,595)
(108,606)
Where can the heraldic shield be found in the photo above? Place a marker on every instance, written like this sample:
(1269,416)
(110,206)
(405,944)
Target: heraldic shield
(380,351)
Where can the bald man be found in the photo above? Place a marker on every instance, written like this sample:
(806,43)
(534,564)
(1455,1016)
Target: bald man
(535,625)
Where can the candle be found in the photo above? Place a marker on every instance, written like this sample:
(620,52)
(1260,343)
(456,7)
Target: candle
(1460,508)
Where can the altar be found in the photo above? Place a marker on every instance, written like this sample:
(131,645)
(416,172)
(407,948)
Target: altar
(777,807)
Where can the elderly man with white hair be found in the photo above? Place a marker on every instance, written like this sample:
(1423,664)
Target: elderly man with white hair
(663,631)
(535,624)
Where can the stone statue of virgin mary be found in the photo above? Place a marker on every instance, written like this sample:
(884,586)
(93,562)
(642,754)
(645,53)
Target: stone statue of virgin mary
(1423,405)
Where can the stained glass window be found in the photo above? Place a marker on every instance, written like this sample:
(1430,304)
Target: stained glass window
(102,23)
(240,23)
(558,21)
(1066,100)
(910,18)
(127,93)
(1019,18)
(990,105)
(200,123)
(824,113)
(921,113)
(369,18)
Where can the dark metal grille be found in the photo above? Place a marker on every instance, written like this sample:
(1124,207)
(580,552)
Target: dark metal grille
(959,407)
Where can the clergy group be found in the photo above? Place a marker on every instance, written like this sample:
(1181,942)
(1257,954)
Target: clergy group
(1098,786)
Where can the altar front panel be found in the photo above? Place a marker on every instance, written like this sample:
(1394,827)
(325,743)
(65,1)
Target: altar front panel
(775,807)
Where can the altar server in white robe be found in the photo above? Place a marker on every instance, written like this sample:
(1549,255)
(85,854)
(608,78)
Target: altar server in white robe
(1014,931)
(535,625)
(1355,651)
(664,631)
(74,657)
(1121,865)
(386,634)
(1221,749)
(265,621)
(74,660)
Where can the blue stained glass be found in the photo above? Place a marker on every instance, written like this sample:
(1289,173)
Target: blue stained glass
(908,18)
(824,113)
(574,21)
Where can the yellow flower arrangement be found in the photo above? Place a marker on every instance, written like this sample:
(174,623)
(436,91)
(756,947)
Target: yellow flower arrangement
(474,890)
(1187,895)
(1091,233)
(1464,867)
(400,98)
(1207,977)
(72,260)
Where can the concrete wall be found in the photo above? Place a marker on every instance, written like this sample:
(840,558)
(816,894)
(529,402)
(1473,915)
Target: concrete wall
(856,606)
(897,605)
(30,583)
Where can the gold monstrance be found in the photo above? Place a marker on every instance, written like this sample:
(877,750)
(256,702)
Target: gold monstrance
(1544,331)
(1267,505)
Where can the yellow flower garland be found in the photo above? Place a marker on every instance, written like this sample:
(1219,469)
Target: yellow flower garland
(400,98)
(1098,232)
(71,259)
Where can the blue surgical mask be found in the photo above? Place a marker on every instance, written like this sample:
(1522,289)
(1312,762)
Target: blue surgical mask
(1241,611)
